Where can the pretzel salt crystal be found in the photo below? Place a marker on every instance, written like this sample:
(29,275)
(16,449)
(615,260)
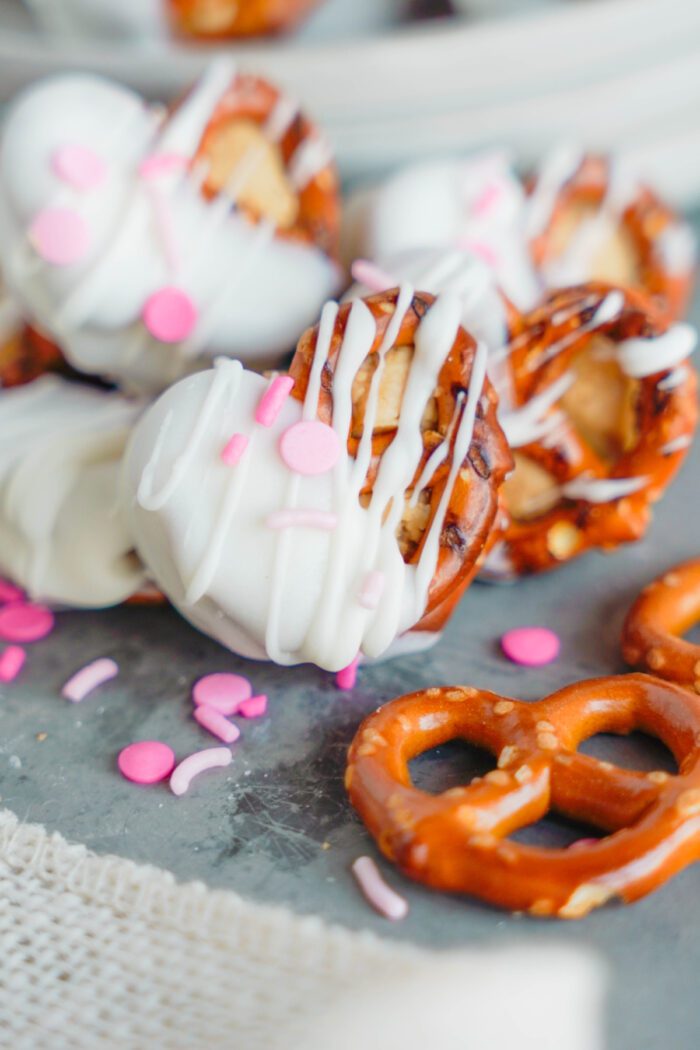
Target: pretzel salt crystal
(458,840)
(663,612)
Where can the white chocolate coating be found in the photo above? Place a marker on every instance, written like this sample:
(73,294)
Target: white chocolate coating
(254,292)
(292,595)
(63,537)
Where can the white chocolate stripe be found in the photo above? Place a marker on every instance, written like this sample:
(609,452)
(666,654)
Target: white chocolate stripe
(640,358)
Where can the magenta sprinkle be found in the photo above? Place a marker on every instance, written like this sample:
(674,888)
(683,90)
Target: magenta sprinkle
(11,663)
(10,593)
(216,723)
(235,447)
(89,678)
(253,708)
(224,692)
(272,400)
(531,646)
(147,762)
(347,678)
(25,622)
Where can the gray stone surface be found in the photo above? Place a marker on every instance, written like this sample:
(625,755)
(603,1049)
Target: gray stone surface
(260,827)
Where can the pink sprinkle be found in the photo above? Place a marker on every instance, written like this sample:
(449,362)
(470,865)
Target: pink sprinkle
(11,663)
(216,724)
(146,762)
(170,315)
(193,765)
(372,276)
(487,198)
(158,164)
(272,400)
(235,447)
(583,843)
(89,678)
(60,236)
(310,447)
(25,622)
(480,248)
(347,678)
(224,692)
(10,593)
(372,589)
(379,894)
(79,166)
(531,646)
(253,708)
(313,519)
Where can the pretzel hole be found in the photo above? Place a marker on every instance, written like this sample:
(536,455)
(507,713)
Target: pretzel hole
(554,831)
(601,402)
(530,491)
(637,751)
(615,258)
(691,633)
(452,764)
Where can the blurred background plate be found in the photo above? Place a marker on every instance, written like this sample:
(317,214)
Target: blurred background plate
(391,83)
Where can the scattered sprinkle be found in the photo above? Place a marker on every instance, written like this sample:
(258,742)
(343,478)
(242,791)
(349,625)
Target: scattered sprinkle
(272,400)
(158,164)
(89,678)
(583,843)
(347,678)
(531,646)
(234,449)
(170,315)
(253,708)
(60,236)
(216,723)
(310,447)
(379,894)
(193,765)
(25,622)
(224,692)
(79,166)
(372,276)
(146,762)
(11,663)
(313,519)
(9,593)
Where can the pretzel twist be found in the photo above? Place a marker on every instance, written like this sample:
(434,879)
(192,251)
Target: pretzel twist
(221,19)
(458,840)
(26,355)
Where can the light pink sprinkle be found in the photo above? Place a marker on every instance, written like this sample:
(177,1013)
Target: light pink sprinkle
(10,593)
(170,315)
(193,765)
(79,166)
(146,762)
(158,164)
(481,248)
(224,692)
(235,447)
(347,678)
(379,894)
(487,198)
(272,400)
(253,708)
(89,678)
(372,276)
(312,519)
(531,646)
(60,236)
(372,589)
(216,724)
(11,663)
(310,447)
(25,622)
(584,843)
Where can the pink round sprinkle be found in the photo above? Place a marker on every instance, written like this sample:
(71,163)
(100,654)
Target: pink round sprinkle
(310,447)
(25,622)
(147,762)
(531,646)
(79,166)
(11,663)
(216,723)
(157,164)
(224,692)
(10,593)
(60,236)
(170,315)
(253,708)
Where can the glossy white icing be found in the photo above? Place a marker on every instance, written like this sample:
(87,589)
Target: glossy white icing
(254,292)
(293,595)
(645,357)
(63,537)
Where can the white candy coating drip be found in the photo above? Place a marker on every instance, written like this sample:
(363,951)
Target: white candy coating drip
(602,490)
(556,170)
(678,444)
(534,420)
(645,357)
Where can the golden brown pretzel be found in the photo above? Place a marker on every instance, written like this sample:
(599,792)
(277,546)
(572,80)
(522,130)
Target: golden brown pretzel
(474,498)
(219,19)
(644,447)
(457,840)
(648,233)
(663,612)
(26,355)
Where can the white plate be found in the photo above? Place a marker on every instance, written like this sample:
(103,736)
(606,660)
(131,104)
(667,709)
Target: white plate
(608,73)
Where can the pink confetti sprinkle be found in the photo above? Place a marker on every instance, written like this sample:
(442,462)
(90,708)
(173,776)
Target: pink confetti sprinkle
(10,593)
(170,315)
(25,622)
(60,236)
(371,276)
(310,447)
(158,164)
(347,678)
(216,724)
(480,248)
(372,589)
(253,708)
(147,762)
(531,646)
(272,400)
(583,843)
(89,678)
(224,692)
(235,447)
(11,663)
(488,197)
(379,894)
(79,166)
(312,519)
(199,762)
